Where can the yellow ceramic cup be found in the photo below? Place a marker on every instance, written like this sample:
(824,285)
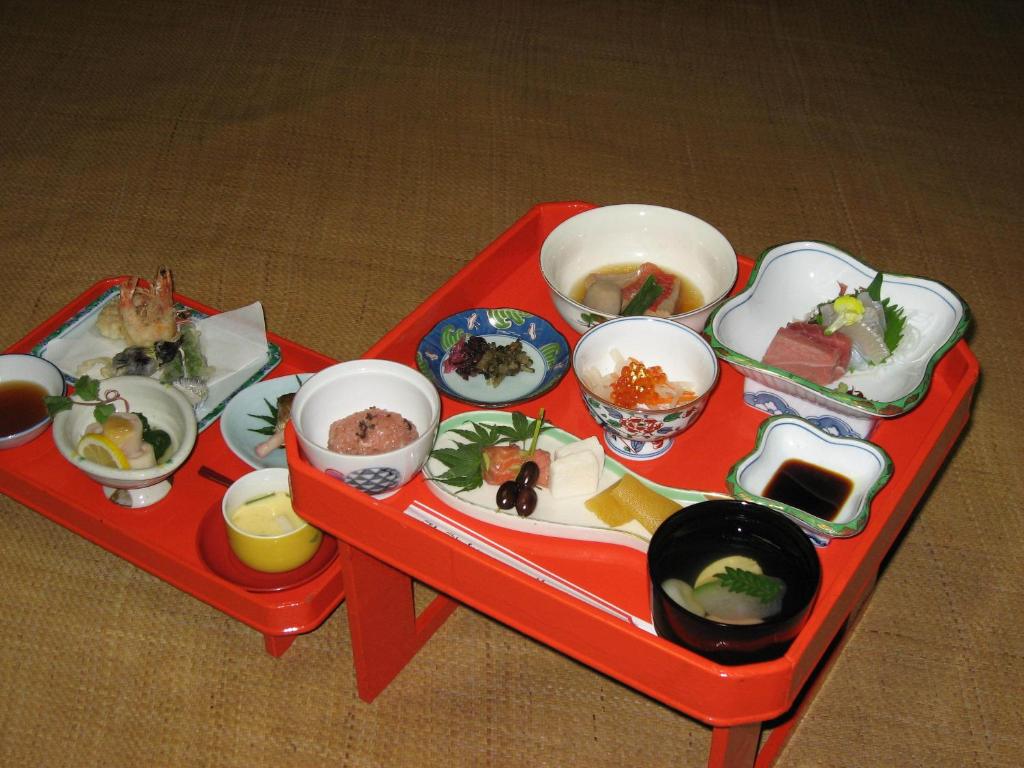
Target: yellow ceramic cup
(256,546)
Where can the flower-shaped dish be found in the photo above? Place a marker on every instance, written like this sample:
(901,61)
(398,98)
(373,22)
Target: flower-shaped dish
(787,283)
(546,347)
(784,438)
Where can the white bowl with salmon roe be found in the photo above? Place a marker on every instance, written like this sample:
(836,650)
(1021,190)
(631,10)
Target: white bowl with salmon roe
(635,430)
(341,395)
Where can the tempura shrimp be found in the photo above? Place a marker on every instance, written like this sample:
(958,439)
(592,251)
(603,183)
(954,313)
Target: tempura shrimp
(141,316)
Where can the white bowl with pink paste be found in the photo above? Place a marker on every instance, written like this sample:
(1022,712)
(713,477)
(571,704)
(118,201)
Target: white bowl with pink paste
(384,415)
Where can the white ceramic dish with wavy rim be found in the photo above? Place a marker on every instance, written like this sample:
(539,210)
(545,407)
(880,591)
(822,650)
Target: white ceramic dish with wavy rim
(565,518)
(786,284)
(634,233)
(782,438)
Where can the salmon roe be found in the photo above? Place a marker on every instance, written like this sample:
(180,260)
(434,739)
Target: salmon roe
(637,385)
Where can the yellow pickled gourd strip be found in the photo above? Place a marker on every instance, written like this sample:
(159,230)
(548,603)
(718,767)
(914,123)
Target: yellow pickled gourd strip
(629,499)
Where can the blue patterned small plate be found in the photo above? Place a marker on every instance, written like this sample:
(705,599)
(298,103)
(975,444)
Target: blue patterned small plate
(546,347)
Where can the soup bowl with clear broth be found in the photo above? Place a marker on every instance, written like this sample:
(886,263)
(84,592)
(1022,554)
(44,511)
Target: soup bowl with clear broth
(731,580)
(618,240)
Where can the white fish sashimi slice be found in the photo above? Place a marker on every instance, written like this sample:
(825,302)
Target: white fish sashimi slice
(867,343)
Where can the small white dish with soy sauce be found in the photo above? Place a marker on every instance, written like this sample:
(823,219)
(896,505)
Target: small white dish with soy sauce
(823,482)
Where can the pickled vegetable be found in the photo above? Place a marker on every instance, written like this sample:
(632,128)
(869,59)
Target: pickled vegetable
(629,499)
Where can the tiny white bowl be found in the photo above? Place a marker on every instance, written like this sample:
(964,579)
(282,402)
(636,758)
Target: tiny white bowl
(634,233)
(17,367)
(787,283)
(637,433)
(781,438)
(349,387)
(164,407)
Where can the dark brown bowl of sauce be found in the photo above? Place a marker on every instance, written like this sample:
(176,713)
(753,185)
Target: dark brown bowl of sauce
(25,381)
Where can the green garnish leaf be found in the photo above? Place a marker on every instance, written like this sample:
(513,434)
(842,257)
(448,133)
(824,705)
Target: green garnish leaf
(103,412)
(57,403)
(644,298)
(875,288)
(537,424)
(465,461)
(895,320)
(87,388)
(160,441)
(764,588)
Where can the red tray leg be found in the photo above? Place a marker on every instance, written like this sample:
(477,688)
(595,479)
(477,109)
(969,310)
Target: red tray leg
(276,645)
(384,628)
(734,746)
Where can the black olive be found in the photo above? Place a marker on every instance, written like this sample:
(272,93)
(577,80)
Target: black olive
(528,474)
(526,501)
(507,493)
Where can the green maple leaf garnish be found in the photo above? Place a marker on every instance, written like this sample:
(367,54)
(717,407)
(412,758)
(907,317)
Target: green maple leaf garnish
(270,419)
(764,588)
(465,461)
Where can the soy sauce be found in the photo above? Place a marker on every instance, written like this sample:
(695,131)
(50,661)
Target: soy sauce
(21,406)
(806,486)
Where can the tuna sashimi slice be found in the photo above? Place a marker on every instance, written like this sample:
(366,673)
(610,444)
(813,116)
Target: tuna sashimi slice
(804,349)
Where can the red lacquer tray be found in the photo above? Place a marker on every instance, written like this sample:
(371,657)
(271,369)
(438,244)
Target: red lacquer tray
(162,539)
(383,546)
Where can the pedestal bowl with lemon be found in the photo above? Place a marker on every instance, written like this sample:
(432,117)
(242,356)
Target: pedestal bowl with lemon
(133,472)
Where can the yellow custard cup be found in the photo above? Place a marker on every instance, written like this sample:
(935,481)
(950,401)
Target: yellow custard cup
(263,530)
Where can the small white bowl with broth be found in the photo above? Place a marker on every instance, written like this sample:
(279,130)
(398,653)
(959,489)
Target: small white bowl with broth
(621,238)
(25,380)
(347,389)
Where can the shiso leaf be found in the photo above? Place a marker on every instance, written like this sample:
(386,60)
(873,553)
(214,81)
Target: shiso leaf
(895,320)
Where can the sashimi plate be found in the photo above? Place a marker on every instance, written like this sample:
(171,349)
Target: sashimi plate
(787,282)
(249,411)
(566,518)
(546,347)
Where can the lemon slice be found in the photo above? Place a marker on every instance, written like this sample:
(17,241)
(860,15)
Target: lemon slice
(100,449)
